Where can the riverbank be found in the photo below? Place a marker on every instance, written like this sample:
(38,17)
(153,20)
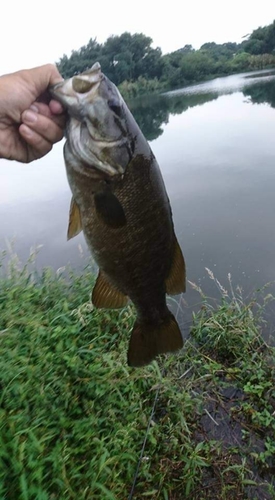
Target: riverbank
(130,61)
(74,416)
(144,87)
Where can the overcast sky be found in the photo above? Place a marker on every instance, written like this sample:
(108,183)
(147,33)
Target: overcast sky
(36,32)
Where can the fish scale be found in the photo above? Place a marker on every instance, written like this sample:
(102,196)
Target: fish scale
(120,203)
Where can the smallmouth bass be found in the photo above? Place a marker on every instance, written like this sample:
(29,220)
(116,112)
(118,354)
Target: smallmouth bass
(120,202)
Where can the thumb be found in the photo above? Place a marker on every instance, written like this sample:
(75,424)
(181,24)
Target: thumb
(41,77)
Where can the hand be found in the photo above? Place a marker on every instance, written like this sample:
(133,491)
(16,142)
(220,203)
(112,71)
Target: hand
(30,122)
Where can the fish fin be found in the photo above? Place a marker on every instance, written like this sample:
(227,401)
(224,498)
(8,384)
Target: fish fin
(109,208)
(147,341)
(175,283)
(106,295)
(75,225)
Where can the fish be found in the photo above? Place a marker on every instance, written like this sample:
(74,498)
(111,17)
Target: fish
(120,202)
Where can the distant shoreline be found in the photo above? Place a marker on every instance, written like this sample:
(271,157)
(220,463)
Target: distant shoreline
(145,88)
(132,64)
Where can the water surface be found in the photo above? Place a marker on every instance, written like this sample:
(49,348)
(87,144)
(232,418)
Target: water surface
(215,143)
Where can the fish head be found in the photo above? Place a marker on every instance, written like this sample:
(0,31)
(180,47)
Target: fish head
(97,128)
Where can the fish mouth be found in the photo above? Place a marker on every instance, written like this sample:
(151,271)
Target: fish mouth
(104,142)
(62,94)
(53,89)
(66,90)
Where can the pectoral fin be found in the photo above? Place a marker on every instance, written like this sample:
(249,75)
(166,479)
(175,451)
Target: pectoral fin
(175,283)
(109,209)
(106,295)
(75,226)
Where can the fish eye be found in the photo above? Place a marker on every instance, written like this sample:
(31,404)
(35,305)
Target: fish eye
(115,107)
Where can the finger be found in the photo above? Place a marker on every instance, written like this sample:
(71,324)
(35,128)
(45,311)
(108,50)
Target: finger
(42,108)
(46,110)
(55,107)
(41,77)
(39,144)
(42,125)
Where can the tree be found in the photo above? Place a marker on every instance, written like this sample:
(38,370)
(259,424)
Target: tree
(131,56)
(80,60)
(240,62)
(254,46)
(261,40)
(151,65)
(186,49)
(132,59)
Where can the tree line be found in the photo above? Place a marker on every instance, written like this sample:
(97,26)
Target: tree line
(136,67)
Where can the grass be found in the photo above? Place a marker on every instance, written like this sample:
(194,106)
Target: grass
(73,416)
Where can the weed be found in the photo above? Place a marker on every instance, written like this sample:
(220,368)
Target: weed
(73,415)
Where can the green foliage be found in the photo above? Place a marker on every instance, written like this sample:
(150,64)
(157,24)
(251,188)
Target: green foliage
(262,61)
(74,416)
(186,49)
(80,60)
(261,40)
(131,62)
(240,62)
(141,86)
(124,57)
(181,69)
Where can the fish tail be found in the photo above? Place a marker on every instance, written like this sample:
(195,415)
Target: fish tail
(148,340)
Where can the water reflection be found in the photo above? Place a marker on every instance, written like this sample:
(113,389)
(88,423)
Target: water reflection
(261,93)
(153,112)
(262,74)
(226,85)
(216,150)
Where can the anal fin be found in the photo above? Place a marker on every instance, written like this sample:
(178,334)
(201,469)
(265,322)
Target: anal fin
(176,281)
(106,295)
(75,225)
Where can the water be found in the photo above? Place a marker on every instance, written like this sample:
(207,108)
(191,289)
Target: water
(216,149)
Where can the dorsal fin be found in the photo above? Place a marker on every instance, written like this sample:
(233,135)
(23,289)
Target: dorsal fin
(75,225)
(176,281)
(106,295)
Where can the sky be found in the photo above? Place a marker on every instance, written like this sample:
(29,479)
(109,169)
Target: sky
(34,33)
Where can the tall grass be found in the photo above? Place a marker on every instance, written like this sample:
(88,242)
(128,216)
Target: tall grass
(141,86)
(73,416)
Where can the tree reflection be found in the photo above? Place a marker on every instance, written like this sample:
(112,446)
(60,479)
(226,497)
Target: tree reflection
(260,93)
(151,113)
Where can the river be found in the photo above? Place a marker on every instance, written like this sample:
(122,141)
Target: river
(215,143)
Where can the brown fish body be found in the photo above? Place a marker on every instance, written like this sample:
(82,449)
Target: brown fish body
(127,222)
